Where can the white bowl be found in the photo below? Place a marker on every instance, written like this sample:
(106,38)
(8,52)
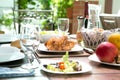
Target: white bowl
(46,35)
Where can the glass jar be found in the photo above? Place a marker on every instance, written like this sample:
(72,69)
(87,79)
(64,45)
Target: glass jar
(80,26)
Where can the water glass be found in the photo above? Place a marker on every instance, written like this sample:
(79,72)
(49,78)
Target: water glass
(28,34)
(63,25)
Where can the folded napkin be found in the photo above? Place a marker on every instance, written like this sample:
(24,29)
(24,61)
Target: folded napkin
(6,72)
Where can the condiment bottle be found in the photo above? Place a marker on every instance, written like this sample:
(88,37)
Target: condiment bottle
(80,25)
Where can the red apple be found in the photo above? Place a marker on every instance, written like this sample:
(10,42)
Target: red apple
(106,52)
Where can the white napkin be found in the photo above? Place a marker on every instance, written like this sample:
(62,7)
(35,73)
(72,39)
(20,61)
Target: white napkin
(6,72)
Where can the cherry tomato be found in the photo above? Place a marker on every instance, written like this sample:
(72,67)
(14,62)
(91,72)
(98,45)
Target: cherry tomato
(61,65)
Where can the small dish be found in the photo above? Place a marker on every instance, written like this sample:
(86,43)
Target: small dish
(46,35)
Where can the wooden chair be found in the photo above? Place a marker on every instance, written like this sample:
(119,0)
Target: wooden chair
(36,14)
(109,22)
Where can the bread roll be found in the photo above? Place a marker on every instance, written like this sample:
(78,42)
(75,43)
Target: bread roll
(2,32)
(16,43)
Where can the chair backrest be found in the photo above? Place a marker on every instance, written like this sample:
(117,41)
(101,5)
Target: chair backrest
(110,21)
(37,14)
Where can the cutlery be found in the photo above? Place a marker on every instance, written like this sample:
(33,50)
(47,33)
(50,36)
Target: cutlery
(25,48)
(89,51)
(34,53)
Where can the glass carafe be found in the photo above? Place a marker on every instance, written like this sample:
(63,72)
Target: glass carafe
(80,26)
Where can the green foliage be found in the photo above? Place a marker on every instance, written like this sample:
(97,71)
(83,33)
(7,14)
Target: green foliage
(22,4)
(6,20)
(45,4)
(61,6)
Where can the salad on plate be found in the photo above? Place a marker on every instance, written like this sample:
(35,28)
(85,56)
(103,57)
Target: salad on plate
(66,66)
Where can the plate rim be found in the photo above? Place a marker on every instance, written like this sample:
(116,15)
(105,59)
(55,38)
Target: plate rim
(9,47)
(20,54)
(93,56)
(45,50)
(89,69)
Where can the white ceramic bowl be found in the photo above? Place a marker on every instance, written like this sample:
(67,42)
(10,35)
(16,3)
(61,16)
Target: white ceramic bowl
(46,35)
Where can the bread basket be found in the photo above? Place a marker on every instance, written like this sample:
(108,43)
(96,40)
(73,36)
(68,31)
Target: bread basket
(93,37)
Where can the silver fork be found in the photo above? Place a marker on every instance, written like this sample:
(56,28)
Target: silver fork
(34,53)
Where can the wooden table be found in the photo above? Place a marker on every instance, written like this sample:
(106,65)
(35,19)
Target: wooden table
(99,72)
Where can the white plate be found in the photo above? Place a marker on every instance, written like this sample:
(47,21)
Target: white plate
(7,38)
(8,54)
(76,48)
(85,68)
(95,59)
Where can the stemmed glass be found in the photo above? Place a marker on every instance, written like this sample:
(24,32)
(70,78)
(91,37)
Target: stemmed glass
(29,32)
(63,25)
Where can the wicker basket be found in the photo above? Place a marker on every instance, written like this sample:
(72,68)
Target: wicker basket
(92,38)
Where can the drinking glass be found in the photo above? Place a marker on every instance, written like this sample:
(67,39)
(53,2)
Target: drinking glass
(29,32)
(63,25)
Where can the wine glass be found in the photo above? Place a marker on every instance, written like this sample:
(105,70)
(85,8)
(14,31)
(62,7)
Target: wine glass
(63,25)
(27,39)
